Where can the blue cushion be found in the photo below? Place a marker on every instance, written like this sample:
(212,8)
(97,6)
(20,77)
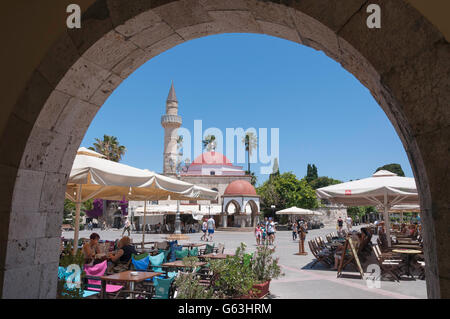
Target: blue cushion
(162,287)
(141,264)
(172,256)
(157,261)
(193,252)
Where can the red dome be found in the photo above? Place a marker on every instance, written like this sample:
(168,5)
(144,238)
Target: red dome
(240,187)
(212,158)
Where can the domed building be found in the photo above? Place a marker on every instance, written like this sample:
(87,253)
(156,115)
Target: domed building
(237,204)
(240,204)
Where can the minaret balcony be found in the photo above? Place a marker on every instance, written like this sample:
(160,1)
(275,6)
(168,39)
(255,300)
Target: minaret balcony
(171,119)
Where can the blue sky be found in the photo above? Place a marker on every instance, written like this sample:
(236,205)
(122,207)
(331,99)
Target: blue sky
(324,115)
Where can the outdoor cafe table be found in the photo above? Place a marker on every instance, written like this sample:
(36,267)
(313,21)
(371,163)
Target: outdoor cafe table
(192,245)
(180,264)
(126,276)
(215,256)
(404,246)
(333,245)
(409,254)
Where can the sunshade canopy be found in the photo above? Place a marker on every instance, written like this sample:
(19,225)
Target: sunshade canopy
(372,191)
(297,211)
(101,178)
(383,189)
(405,208)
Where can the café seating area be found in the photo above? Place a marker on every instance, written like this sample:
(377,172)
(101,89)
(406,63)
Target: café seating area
(150,274)
(404,258)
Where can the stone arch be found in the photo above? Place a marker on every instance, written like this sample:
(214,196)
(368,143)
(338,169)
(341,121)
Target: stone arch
(254,210)
(405,65)
(235,204)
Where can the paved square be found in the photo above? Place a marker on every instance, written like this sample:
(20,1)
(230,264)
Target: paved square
(299,282)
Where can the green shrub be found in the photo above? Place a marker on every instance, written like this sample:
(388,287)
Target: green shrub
(233,276)
(264,265)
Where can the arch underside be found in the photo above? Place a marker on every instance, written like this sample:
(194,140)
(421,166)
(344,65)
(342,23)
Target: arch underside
(405,65)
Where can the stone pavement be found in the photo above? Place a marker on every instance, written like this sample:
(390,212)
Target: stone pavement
(299,282)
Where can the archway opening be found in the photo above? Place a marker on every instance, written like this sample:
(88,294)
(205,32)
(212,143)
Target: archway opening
(70,91)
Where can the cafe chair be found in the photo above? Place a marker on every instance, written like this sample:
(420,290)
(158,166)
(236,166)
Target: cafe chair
(163,288)
(156,262)
(92,275)
(63,274)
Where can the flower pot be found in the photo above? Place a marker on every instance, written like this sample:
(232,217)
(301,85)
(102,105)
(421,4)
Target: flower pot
(261,290)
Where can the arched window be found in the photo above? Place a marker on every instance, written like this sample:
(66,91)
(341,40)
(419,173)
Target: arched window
(212,173)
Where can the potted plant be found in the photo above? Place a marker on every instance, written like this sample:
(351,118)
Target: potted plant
(265,268)
(65,291)
(233,278)
(188,284)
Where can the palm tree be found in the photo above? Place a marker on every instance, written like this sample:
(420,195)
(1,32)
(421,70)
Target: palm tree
(209,143)
(109,147)
(250,140)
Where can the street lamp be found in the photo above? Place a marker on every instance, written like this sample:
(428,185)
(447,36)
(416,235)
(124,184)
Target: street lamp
(273,210)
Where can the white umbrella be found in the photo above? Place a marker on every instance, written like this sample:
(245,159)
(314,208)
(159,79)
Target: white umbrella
(94,177)
(384,189)
(404,208)
(296,211)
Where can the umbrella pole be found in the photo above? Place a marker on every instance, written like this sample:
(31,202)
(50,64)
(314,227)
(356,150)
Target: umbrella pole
(177,219)
(387,220)
(77,221)
(143,223)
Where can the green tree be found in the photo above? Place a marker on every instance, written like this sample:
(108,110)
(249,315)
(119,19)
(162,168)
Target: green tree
(250,141)
(209,143)
(323,181)
(109,147)
(254,179)
(357,212)
(311,173)
(70,210)
(275,169)
(394,168)
(285,191)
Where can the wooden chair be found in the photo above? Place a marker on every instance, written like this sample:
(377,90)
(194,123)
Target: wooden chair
(320,256)
(388,266)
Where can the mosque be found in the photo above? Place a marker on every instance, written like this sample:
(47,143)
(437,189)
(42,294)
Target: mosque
(237,205)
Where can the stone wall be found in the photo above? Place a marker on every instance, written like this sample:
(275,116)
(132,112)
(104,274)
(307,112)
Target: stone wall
(56,86)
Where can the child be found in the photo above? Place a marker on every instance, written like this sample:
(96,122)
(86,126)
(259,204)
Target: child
(258,234)
(264,232)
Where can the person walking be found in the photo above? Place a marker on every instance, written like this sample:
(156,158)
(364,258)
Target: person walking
(204,228)
(258,234)
(340,223)
(126,227)
(349,223)
(271,231)
(211,226)
(294,230)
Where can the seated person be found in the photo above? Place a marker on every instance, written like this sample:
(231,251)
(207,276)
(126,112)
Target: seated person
(337,256)
(121,258)
(91,248)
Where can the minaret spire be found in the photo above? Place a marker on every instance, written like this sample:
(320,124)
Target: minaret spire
(171,121)
(172,96)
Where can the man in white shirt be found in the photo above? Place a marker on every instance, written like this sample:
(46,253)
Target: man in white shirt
(271,231)
(349,222)
(204,229)
(126,227)
(211,226)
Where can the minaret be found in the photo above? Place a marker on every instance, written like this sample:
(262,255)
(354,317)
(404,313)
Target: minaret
(171,122)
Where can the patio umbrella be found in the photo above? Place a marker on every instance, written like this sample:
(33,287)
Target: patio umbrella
(404,208)
(94,177)
(296,211)
(384,189)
